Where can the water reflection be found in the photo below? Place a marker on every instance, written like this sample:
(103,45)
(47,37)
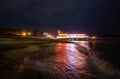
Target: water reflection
(76,62)
(93,46)
(66,63)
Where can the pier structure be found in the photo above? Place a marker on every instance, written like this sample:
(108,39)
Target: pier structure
(72,37)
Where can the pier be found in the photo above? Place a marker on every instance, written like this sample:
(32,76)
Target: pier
(72,37)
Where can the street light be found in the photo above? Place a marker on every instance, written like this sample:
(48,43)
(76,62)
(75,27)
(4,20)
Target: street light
(24,33)
(29,33)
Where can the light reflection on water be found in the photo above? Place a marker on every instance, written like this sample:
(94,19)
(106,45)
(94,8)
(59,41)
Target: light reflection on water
(67,62)
(68,54)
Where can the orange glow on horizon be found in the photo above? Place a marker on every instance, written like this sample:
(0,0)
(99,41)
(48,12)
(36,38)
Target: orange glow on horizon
(24,33)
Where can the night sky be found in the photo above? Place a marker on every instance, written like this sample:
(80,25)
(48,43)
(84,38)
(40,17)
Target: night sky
(94,17)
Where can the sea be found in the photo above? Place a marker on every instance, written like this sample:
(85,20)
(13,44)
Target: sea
(68,61)
(107,49)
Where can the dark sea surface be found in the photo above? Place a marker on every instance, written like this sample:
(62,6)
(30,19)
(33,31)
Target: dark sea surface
(108,50)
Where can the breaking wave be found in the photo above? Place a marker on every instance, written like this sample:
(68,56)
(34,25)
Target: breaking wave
(107,70)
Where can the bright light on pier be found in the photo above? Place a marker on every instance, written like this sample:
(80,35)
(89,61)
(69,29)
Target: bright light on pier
(66,35)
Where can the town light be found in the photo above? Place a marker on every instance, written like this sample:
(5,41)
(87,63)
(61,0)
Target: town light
(49,35)
(24,33)
(94,37)
(29,33)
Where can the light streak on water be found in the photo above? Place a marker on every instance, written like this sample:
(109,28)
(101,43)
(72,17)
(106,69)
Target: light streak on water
(67,62)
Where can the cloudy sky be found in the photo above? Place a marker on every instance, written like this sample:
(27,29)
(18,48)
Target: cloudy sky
(95,17)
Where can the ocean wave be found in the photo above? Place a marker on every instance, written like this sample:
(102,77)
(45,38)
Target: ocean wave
(107,70)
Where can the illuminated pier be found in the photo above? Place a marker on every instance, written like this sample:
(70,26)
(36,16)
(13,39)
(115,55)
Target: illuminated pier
(81,36)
